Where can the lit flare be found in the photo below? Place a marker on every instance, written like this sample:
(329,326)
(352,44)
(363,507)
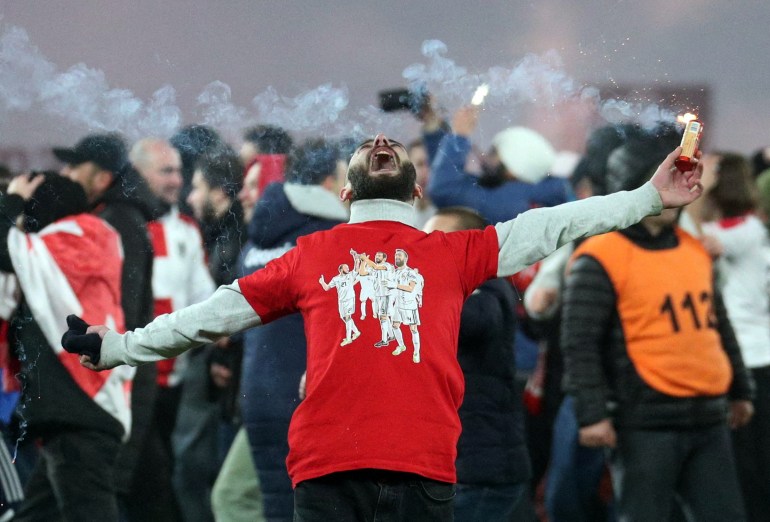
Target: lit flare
(481,93)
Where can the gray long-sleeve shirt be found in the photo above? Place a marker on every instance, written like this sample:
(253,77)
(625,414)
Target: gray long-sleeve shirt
(522,241)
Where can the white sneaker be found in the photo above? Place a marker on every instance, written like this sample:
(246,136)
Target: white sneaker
(399,350)
(346,341)
(416,357)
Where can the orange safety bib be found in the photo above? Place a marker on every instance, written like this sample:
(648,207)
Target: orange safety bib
(665,304)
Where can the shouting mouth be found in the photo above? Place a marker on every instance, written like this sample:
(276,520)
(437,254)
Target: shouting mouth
(383,160)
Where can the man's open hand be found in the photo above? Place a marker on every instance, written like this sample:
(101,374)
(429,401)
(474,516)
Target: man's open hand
(740,414)
(25,185)
(599,435)
(465,120)
(676,188)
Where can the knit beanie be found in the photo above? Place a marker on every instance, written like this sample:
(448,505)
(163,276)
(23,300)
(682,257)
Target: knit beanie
(525,154)
(271,169)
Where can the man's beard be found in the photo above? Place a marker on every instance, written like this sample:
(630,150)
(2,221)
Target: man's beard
(400,187)
(208,213)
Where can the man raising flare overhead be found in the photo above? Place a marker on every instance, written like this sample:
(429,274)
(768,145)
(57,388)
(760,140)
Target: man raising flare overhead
(357,441)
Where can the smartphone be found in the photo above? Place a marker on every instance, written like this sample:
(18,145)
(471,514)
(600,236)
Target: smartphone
(403,100)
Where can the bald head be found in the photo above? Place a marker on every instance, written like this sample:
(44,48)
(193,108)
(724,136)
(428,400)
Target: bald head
(452,219)
(159,163)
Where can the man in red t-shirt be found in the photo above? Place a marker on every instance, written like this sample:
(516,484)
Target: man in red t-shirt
(377,433)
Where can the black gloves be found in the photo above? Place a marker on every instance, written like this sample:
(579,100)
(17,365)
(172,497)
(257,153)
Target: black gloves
(76,340)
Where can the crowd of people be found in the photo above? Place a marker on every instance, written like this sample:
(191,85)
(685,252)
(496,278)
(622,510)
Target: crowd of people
(329,330)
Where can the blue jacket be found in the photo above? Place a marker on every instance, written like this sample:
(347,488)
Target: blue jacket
(450,185)
(274,354)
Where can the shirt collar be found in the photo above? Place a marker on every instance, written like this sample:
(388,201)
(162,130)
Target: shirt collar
(382,210)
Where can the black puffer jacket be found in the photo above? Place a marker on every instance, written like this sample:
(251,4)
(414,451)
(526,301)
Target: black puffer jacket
(598,371)
(126,206)
(492,448)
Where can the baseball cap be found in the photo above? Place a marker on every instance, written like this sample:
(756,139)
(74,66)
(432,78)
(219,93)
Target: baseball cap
(108,151)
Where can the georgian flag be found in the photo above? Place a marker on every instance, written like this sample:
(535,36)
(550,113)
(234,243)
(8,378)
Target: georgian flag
(73,266)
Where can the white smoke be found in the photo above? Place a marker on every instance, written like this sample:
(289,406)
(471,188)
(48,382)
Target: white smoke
(21,66)
(217,110)
(82,96)
(540,80)
(314,110)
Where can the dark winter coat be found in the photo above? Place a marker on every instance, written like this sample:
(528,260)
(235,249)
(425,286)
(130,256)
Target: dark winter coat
(126,207)
(492,447)
(274,354)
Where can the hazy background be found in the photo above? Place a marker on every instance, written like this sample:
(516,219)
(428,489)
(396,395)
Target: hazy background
(327,61)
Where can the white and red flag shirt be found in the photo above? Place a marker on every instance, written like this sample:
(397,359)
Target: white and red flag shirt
(73,266)
(365,407)
(743,270)
(180,276)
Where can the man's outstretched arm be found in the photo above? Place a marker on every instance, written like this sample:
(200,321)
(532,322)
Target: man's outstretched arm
(536,233)
(223,314)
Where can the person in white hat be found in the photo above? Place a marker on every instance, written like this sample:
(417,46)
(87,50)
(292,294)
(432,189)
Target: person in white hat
(518,181)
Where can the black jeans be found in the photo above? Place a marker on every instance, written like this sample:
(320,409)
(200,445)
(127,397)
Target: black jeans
(73,479)
(653,469)
(752,451)
(373,496)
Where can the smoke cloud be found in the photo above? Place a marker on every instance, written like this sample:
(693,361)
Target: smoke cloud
(82,96)
(537,80)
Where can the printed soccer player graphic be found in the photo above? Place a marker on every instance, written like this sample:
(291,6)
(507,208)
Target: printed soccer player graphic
(366,283)
(408,287)
(346,296)
(396,292)
(384,293)
(419,287)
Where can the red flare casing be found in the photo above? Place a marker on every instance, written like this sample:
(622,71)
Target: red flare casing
(690,141)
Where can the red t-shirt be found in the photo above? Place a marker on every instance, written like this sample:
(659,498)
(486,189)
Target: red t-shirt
(365,407)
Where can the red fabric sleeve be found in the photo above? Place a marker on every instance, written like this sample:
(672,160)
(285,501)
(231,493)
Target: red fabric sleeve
(271,291)
(475,252)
